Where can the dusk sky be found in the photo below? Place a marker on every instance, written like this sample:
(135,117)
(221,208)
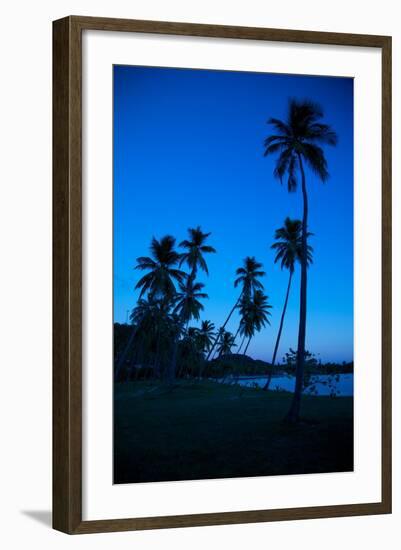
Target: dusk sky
(188,151)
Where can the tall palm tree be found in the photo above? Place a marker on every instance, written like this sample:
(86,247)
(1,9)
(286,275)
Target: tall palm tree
(162,273)
(248,277)
(296,140)
(288,248)
(187,307)
(195,249)
(254,315)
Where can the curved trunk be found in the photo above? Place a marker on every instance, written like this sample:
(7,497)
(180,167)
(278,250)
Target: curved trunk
(202,363)
(171,373)
(236,334)
(201,366)
(124,354)
(216,340)
(131,367)
(192,275)
(246,348)
(266,387)
(173,363)
(241,344)
(156,366)
(293,413)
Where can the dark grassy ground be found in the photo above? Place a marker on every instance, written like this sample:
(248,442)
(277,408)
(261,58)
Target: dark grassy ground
(208,430)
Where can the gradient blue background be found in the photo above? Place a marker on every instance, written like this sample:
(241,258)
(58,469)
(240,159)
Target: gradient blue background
(188,151)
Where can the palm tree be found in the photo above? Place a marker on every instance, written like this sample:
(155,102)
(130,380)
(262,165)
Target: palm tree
(296,142)
(247,330)
(205,335)
(289,251)
(145,316)
(161,267)
(187,304)
(213,349)
(159,282)
(190,351)
(138,315)
(226,343)
(195,249)
(187,307)
(248,278)
(254,315)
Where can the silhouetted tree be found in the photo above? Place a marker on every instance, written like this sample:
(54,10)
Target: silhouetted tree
(296,140)
(195,249)
(226,343)
(255,314)
(159,282)
(205,335)
(187,307)
(248,277)
(162,273)
(289,251)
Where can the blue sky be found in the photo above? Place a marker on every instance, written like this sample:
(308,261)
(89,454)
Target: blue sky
(188,151)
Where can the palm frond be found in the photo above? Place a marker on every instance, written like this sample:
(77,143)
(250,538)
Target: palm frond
(292,178)
(322,133)
(274,148)
(282,128)
(299,135)
(314,157)
(282,163)
(289,244)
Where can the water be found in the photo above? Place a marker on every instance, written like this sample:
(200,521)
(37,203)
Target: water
(341,385)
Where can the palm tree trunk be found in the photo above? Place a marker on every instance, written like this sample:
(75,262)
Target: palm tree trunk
(236,334)
(216,340)
(246,348)
(241,344)
(128,375)
(201,366)
(266,387)
(293,413)
(136,362)
(192,275)
(180,371)
(156,366)
(124,354)
(173,363)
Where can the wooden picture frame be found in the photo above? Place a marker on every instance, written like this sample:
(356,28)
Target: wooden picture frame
(67,274)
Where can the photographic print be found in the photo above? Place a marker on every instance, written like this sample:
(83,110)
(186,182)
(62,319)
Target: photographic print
(233,274)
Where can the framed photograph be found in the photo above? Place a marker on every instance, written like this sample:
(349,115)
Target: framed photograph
(222,275)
